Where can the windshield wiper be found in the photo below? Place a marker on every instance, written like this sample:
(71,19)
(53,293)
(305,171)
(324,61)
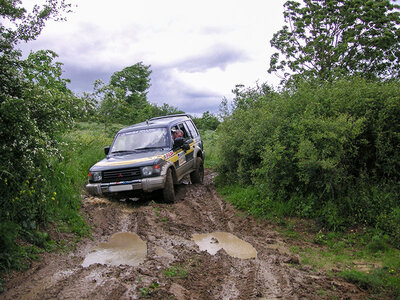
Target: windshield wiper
(122,151)
(148,148)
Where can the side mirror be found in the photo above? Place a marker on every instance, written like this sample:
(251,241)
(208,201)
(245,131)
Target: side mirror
(107,150)
(178,142)
(186,145)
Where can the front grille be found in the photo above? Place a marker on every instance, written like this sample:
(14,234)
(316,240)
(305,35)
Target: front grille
(121,175)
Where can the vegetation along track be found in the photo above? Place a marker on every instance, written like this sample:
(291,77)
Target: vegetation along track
(174,267)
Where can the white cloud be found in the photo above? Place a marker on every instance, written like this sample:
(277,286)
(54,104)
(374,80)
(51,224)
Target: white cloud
(206,46)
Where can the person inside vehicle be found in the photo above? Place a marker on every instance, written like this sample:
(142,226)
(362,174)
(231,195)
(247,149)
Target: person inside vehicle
(179,140)
(177,134)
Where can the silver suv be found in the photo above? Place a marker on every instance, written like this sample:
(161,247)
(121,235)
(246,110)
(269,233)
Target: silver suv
(149,156)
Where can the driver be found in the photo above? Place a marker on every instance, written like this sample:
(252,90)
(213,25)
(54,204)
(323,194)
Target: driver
(177,134)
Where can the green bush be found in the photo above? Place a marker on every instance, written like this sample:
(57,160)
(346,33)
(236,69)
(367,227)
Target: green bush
(207,121)
(388,220)
(326,151)
(8,235)
(53,195)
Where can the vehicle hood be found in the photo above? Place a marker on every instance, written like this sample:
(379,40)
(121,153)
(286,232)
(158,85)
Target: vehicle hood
(137,159)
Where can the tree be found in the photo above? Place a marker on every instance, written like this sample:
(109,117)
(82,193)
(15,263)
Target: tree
(109,107)
(133,83)
(21,26)
(124,99)
(327,39)
(208,121)
(40,69)
(35,105)
(164,109)
(224,111)
(246,98)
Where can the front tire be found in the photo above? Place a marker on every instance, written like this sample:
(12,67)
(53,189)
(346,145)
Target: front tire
(168,191)
(197,175)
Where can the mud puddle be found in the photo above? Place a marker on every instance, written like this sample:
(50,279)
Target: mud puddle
(124,248)
(235,247)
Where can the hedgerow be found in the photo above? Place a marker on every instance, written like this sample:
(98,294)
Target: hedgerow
(327,151)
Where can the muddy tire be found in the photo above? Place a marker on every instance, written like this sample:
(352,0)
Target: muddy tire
(168,191)
(197,175)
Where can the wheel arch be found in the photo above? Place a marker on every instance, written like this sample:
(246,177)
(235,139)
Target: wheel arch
(198,153)
(166,167)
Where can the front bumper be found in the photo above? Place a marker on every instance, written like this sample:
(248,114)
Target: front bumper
(146,185)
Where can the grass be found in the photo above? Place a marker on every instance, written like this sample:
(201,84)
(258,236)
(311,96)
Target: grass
(363,258)
(380,281)
(362,255)
(149,290)
(350,256)
(176,271)
(157,211)
(248,198)
(209,138)
(83,147)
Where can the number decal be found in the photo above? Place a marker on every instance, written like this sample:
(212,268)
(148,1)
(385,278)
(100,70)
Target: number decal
(182,158)
(169,155)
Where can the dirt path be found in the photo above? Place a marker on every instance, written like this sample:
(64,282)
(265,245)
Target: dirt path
(193,274)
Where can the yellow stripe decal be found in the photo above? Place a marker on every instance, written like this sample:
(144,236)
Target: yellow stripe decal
(173,158)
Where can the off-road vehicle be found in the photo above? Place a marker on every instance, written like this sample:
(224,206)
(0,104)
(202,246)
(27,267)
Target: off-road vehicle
(145,157)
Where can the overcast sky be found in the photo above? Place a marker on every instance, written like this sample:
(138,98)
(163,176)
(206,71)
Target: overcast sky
(198,50)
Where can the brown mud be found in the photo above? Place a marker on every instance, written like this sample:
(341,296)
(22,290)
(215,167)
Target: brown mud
(174,266)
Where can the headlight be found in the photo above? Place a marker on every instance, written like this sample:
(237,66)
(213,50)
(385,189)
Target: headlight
(150,170)
(147,171)
(95,176)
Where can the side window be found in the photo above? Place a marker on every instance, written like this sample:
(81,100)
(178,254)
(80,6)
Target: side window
(180,127)
(189,133)
(192,128)
(185,133)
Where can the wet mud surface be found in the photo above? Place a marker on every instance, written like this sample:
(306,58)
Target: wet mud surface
(147,249)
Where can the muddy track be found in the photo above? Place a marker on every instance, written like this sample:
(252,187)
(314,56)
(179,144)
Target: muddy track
(168,229)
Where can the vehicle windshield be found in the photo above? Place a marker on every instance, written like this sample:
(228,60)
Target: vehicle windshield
(143,139)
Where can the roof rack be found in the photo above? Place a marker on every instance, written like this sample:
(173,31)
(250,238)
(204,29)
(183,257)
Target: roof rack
(170,116)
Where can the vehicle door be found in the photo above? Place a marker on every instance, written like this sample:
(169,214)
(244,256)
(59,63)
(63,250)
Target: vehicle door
(191,142)
(195,134)
(182,159)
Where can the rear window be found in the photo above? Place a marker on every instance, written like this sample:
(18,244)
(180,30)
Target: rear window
(192,128)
